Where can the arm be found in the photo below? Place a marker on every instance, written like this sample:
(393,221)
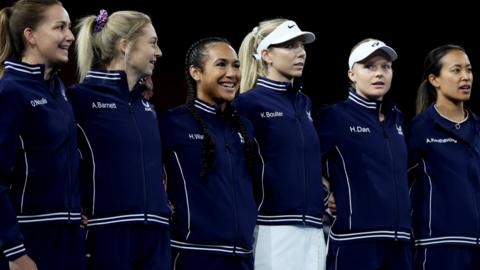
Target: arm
(23,263)
(11,118)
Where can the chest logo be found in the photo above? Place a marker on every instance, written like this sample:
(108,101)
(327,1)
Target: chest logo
(147,106)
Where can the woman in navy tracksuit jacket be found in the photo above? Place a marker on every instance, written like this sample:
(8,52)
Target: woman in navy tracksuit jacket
(290,196)
(39,194)
(365,159)
(208,165)
(123,194)
(444,143)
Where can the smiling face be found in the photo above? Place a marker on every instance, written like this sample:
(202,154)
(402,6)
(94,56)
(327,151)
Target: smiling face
(285,61)
(49,42)
(372,77)
(142,53)
(454,83)
(218,80)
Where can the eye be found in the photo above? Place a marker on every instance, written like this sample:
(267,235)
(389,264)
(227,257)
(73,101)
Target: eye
(456,70)
(368,66)
(386,67)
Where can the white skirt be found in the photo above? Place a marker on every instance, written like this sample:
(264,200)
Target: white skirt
(289,247)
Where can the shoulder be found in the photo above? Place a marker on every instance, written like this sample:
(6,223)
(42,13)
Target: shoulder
(170,116)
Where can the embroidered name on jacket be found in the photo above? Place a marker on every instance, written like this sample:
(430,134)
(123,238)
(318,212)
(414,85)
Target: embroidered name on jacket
(271,114)
(359,129)
(37,102)
(101,105)
(443,140)
(195,136)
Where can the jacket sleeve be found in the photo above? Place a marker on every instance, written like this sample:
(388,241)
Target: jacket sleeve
(11,115)
(414,158)
(324,122)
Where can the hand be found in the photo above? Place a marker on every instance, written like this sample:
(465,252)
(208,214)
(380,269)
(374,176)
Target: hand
(23,263)
(332,206)
(148,87)
(84,222)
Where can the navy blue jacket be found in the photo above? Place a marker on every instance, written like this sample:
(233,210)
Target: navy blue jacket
(216,213)
(445,174)
(290,191)
(365,161)
(121,166)
(38,154)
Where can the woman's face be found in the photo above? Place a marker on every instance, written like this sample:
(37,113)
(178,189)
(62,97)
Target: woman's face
(285,61)
(454,82)
(373,77)
(49,42)
(219,79)
(142,53)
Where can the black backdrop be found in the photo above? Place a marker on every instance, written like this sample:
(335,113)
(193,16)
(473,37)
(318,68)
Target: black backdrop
(412,31)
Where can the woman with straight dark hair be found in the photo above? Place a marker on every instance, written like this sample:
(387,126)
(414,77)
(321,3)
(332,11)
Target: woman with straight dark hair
(444,147)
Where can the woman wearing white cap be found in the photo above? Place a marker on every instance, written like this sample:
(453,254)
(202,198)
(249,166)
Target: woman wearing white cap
(289,195)
(365,161)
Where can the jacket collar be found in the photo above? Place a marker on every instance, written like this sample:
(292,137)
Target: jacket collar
(203,106)
(116,79)
(24,70)
(362,102)
(264,82)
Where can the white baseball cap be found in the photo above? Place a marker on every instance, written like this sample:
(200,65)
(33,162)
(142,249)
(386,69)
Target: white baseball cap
(365,49)
(284,32)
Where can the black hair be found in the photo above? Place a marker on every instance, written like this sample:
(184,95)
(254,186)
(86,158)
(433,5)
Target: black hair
(427,93)
(195,57)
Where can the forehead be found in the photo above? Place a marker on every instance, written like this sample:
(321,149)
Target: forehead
(376,58)
(148,31)
(455,57)
(220,50)
(55,13)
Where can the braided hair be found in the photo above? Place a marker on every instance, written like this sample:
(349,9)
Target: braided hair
(196,57)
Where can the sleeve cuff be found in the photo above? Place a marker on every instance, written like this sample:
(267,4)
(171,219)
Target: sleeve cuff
(15,252)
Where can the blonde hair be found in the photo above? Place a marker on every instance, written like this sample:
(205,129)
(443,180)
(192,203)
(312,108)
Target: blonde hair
(97,50)
(13,20)
(250,67)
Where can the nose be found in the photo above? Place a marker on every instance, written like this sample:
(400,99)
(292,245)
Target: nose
(233,71)
(466,75)
(158,52)
(301,51)
(69,35)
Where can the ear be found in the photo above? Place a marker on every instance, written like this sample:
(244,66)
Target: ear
(195,72)
(266,56)
(433,81)
(122,45)
(29,36)
(351,75)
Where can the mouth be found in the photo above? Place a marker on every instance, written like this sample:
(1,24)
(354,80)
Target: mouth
(299,65)
(229,86)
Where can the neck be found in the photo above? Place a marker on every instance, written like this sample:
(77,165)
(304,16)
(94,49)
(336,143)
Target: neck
(451,110)
(30,59)
(273,74)
(119,64)
(211,101)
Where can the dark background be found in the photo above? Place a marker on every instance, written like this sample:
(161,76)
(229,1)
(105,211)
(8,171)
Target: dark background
(412,29)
